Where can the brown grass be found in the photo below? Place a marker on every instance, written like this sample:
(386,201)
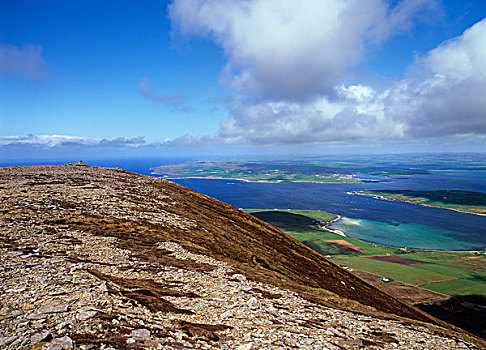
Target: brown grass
(396,260)
(345,246)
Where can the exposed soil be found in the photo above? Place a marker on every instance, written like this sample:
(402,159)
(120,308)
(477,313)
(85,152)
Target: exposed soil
(397,259)
(345,246)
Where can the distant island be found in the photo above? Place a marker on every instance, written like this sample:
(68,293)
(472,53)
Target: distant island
(295,170)
(461,201)
(255,172)
(323,169)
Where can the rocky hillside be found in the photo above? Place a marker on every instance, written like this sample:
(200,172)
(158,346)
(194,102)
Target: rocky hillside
(102,258)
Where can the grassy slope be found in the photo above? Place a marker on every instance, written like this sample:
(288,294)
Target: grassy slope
(450,273)
(463,201)
(259,250)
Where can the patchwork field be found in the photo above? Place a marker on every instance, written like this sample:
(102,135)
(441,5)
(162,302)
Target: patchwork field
(397,259)
(450,273)
(345,246)
(448,285)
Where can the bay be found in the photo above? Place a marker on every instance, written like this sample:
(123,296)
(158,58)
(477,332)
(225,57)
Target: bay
(381,221)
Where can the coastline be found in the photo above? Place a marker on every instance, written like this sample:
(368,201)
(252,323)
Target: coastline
(338,232)
(343,234)
(399,247)
(255,181)
(411,202)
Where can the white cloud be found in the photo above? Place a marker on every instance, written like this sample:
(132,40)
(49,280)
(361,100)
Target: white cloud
(287,61)
(359,114)
(451,101)
(26,62)
(461,58)
(286,49)
(52,141)
(46,140)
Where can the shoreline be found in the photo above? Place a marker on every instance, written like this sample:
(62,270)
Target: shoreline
(377,196)
(345,235)
(339,217)
(338,232)
(255,181)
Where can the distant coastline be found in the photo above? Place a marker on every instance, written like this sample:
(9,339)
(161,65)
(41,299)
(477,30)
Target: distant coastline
(255,181)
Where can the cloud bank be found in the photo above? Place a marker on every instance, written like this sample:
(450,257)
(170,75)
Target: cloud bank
(66,142)
(32,147)
(287,62)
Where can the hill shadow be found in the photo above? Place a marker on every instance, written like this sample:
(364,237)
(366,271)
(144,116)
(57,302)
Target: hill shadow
(465,311)
(285,220)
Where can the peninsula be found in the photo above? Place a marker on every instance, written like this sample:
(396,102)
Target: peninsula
(461,201)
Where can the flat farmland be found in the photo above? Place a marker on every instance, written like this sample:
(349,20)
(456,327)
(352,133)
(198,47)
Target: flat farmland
(455,273)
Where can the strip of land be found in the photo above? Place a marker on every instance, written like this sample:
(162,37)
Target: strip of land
(273,172)
(252,173)
(327,169)
(461,201)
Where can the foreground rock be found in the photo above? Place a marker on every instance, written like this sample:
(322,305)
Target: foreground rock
(97,258)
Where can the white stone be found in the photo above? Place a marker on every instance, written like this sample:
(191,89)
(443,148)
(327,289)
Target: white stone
(64,343)
(140,333)
(227,314)
(253,303)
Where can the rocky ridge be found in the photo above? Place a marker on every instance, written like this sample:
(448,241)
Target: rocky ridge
(97,258)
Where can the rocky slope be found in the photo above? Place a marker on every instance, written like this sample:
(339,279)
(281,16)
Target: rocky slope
(102,258)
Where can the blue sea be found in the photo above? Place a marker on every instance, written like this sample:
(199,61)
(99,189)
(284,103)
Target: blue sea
(375,220)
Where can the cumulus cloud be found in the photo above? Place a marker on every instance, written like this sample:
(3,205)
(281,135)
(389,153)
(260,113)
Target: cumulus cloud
(285,49)
(26,62)
(450,101)
(174,101)
(287,61)
(357,114)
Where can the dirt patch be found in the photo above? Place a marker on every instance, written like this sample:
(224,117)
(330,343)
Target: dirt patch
(345,246)
(202,330)
(113,334)
(267,295)
(397,259)
(146,292)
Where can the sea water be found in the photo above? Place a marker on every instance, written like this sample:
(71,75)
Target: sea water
(381,221)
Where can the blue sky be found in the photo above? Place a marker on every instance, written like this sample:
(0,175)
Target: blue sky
(241,75)
(96,53)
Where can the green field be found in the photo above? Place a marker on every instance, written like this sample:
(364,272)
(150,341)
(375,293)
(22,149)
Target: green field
(256,172)
(463,201)
(450,273)
(330,168)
